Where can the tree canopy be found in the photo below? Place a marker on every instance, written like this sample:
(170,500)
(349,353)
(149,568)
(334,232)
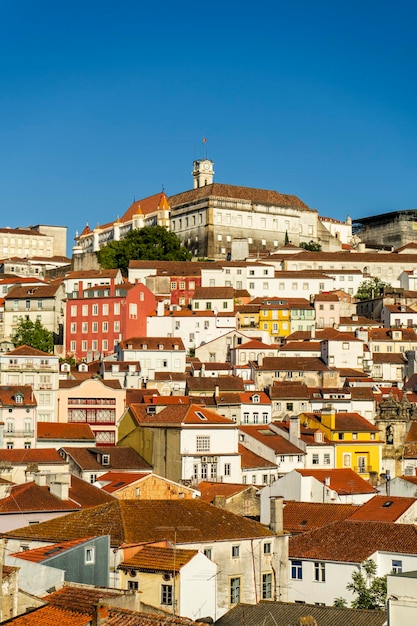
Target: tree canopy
(311,245)
(152,243)
(371,288)
(370,590)
(33,334)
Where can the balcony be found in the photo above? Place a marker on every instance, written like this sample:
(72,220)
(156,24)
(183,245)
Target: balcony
(23,434)
(363,469)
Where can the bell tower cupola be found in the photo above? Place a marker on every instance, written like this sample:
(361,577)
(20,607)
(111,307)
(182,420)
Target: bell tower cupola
(203,172)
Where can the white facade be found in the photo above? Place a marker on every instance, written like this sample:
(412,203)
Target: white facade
(158,359)
(337,575)
(210,453)
(402,599)
(342,353)
(27,366)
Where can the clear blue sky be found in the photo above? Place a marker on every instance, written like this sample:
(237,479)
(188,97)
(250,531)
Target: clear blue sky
(104,101)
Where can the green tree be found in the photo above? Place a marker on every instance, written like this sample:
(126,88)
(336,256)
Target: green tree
(152,243)
(371,288)
(313,246)
(340,603)
(370,589)
(33,334)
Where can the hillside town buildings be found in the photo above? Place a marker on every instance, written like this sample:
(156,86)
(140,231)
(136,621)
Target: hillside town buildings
(247,392)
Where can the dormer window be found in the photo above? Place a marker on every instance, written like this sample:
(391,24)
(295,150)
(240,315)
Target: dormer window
(18,398)
(256,398)
(105,459)
(161,346)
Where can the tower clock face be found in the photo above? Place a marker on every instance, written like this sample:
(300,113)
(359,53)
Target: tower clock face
(206,166)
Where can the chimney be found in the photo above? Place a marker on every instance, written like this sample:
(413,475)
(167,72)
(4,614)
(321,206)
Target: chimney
(328,417)
(40,479)
(80,289)
(294,429)
(260,359)
(59,485)
(276,523)
(100,615)
(216,391)
(220,501)
(111,292)
(313,331)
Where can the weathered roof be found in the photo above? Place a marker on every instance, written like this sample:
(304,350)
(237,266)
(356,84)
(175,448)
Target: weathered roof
(137,521)
(250,460)
(37,555)
(279,613)
(250,194)
(209,490)
(20,456)
(28,351)
(120,457)
(354,541)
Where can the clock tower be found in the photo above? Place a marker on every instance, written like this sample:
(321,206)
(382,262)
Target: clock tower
(203,173)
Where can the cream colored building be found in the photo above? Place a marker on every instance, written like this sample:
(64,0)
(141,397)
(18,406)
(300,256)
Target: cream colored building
(33,241)
(212,216)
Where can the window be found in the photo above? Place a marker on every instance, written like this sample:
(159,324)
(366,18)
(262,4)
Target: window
(267,547)
(235,552)
(208,552)
(173,285)
(93,478)
(227,469)
(290,406)
(73,327)
(166,594)
(85,310)
(346,460)
(396,567)
(95,309)
(73,310)
(320,571)
(133,585)
(89,555)
(203,443)
(234,590)
(105,327)
(296,570)
(266,586)
(326,459)
(340,436)
(95,327)
(315,459)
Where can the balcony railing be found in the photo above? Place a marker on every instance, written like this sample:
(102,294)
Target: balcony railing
(363,469)
(19,433)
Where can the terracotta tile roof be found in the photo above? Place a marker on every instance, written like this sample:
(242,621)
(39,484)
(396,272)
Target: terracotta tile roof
(292,363)
(21,456)
(210,490)
(146,206)
(292,614)
(301,346)
(86,495)
(388,357)
(139,521)
(255,196)
(343,481)
(8,396)
(124,617)
(254,344)
(300,517)
(102,273)
(152,343)
(353,422)
(156,559)
(119,480)
(181,414)
(269,438)
(27,351)
(81,599)
(169,376)
(121,457)
(65,432)
(288,390)
(32,292)
(30,497)
(250,460)
(383,509)
(209,383)
(37,555)
(51,616)
(385,334)
(354,541)
(213,293)
(410,479)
